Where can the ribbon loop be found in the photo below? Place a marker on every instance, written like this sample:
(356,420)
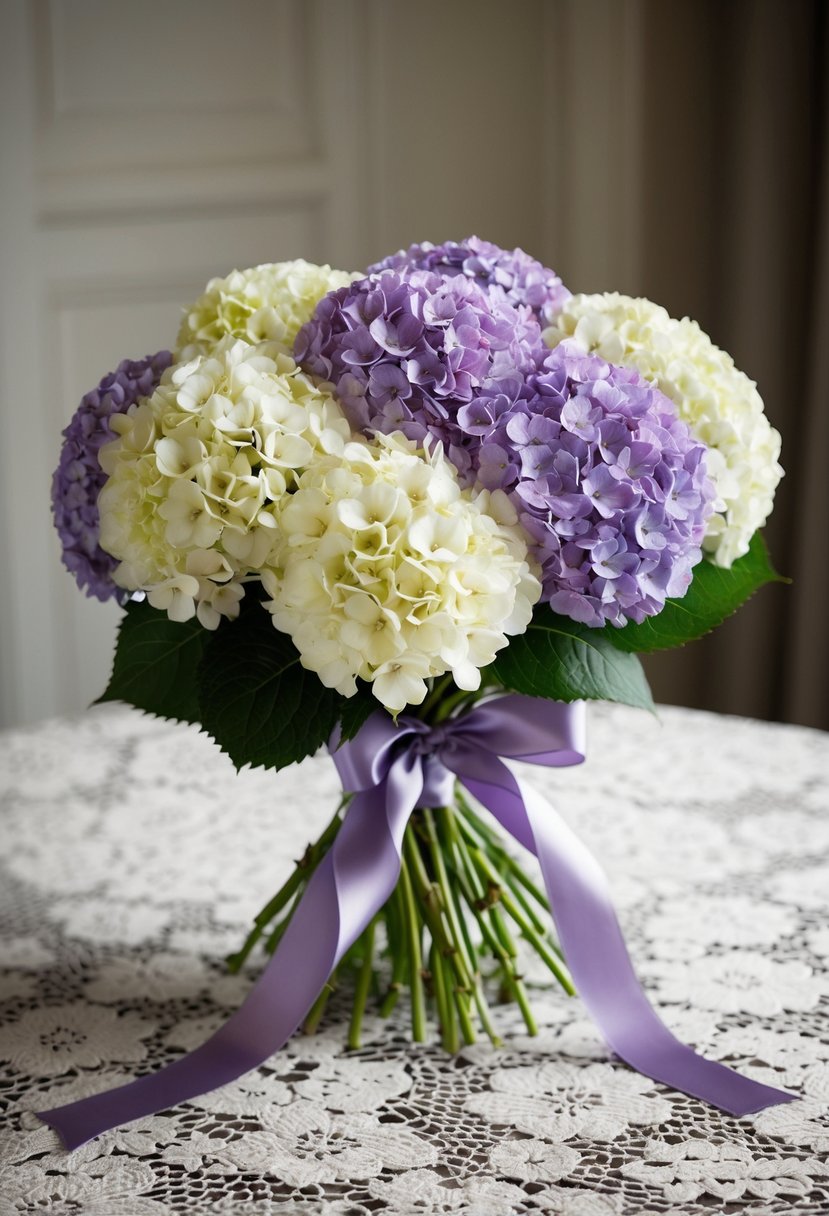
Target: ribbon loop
(391,769)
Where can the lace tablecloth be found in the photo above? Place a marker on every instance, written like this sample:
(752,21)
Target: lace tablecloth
(133,858)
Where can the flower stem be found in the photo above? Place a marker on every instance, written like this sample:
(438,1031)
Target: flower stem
(451,836)
(415,957)
(438,864)
(451,702)
(459,899)
(441,982)
(528,931)
(363,985)
(532,929)
(395,917)
(520,898)
(316,1011)
(432,901)
(484,904)
(302,872)
(463,954)
(272,909)
(434,697)
(276,934)
(496,846)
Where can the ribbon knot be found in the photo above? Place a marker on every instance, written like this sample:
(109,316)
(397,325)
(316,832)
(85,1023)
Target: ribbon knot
(434,739)
(432,745)
(391,769)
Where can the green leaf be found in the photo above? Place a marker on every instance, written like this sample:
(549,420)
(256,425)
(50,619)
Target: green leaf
(257,701)
(155,663)
(564,661)
(713,595)
(356,711)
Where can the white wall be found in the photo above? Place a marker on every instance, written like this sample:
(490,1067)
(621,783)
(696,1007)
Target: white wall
(146,147)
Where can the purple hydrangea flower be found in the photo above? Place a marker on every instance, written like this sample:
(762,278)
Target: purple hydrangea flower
(610,487)
(78,479)
(520,278)
(419,353)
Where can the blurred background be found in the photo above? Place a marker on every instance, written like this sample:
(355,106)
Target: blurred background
(671,148)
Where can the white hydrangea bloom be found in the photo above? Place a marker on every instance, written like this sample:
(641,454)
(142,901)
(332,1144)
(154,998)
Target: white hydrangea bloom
(719,403)
(198,470)
(268,303)
(388,572)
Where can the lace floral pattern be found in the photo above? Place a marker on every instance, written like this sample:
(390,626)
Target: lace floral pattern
(132,858)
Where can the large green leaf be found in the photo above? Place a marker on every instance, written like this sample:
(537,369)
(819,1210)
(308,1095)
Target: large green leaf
(257,701)
(564,661)
(713,595)
(155,663)
(356,710)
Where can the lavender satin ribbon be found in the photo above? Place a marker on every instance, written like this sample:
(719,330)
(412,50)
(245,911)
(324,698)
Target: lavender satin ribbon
(391,770)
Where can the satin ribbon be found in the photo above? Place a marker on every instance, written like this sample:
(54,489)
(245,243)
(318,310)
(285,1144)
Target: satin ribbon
(392,769)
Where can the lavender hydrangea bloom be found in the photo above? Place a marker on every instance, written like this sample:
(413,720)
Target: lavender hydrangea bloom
(78,479)
(610,487)
(415,352)
(521,279)
(608,483)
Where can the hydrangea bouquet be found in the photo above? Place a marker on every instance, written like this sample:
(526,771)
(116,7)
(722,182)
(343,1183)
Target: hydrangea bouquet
(420,515)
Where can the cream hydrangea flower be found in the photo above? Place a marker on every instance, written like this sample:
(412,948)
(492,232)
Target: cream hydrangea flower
(198,470)
(389,572)
(266,303)
(718,402)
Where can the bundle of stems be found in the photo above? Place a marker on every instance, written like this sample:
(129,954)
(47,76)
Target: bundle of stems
(450,929)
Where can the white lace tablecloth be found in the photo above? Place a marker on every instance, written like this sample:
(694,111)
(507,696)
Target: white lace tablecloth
(133,858)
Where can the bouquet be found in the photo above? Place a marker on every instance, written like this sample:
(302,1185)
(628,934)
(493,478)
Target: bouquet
(419,515)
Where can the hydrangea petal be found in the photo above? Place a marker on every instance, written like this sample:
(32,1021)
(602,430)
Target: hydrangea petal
(79,478)
(718,402)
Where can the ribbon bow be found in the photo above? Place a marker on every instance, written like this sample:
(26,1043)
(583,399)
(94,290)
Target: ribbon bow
(392,769)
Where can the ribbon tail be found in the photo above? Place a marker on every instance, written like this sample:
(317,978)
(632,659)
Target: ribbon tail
(348,888)
(594,947)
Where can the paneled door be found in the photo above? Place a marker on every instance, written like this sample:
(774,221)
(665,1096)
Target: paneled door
(145,148)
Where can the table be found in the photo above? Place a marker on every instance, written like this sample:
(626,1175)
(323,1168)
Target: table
(133,858)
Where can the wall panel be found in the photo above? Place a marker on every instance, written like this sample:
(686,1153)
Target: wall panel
(154,146)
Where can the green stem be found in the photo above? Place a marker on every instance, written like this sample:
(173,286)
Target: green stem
(435,696)
(301,873)
(445,826)
(272,909)
(519,992)
(396,934)
(455,867)
(449,703)
(495,844)
(393,994)
(463,951)
(425,887)
(446,1011)
(476,899)
(518,895)
(439,866)
(512,979)
(315,1013)
(362,988)
(527,883)
(415,956)
(432,901)
(275,936)
(533,928)
(528,932)
(484,905)
(451,837)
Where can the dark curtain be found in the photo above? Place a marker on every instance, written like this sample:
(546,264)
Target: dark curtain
(736,234)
